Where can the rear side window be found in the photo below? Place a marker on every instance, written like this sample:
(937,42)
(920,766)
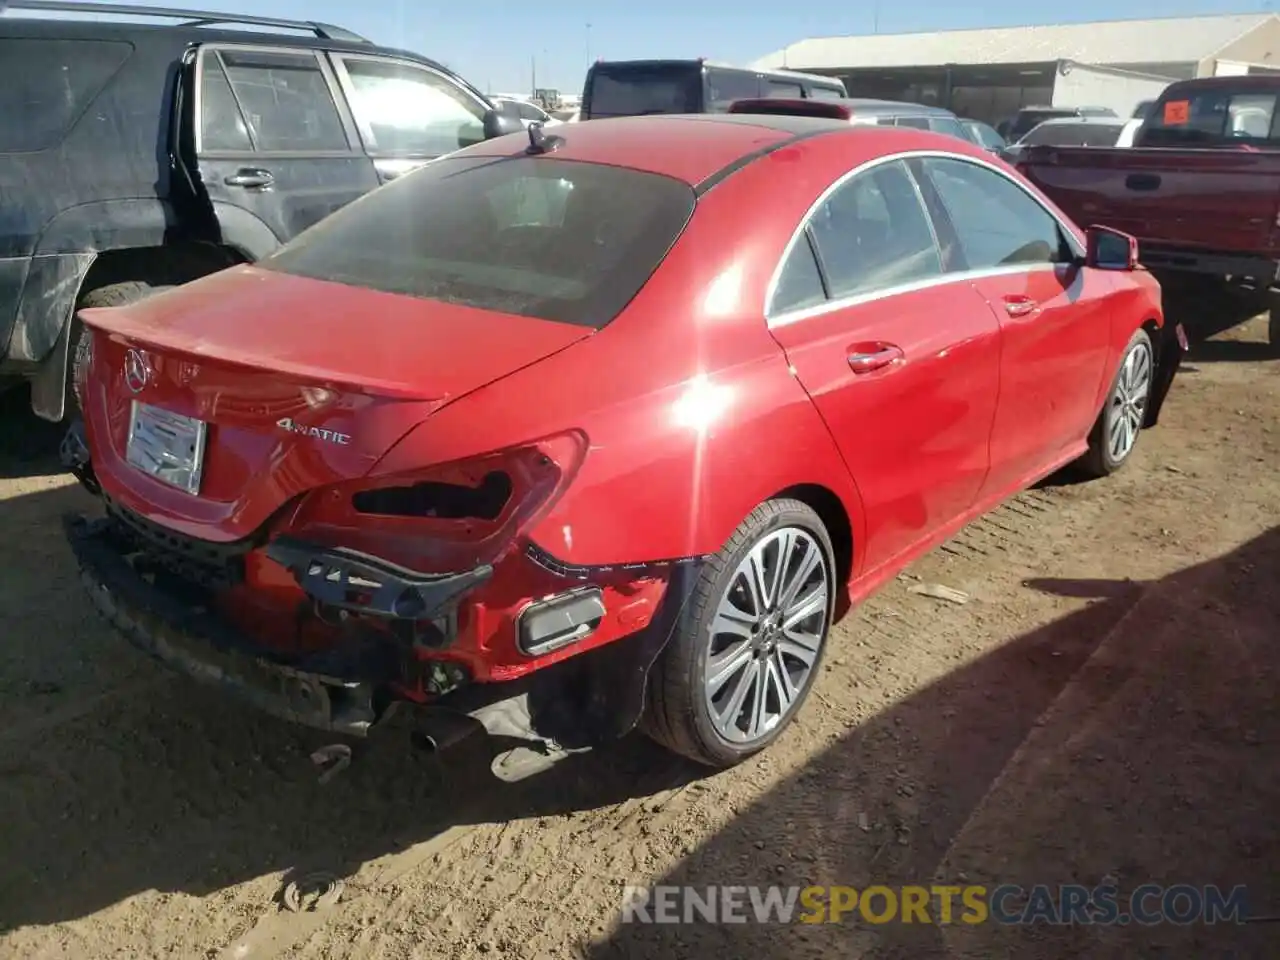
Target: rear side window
(800,282)
(557,240)
(284,99)
(783,89)
(916,123)
(948,125)
(825,93)
(630,91)
(1212,117)
(45,85)
(872,233)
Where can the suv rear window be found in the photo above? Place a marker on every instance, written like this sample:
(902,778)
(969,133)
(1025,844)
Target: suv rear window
(45,85)
(1208,118)
(558,240)
(630,90)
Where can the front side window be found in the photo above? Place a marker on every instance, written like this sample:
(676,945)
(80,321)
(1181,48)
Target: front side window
(410,110)
(872,233)
(284,98)
(726,86)
(948,125)
(528,111)
(558,240)
(996,222)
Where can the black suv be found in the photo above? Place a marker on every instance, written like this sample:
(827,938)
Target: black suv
(135,157)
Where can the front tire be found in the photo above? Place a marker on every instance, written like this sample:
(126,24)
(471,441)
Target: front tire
(749,646)
(1115,433)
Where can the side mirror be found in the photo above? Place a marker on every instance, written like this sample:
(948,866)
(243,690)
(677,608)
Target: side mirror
(1108,249)
(498,124)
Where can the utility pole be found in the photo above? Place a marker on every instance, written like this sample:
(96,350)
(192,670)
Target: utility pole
(588,45)
(533,74)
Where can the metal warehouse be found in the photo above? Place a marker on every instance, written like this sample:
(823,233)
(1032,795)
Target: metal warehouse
(988,74)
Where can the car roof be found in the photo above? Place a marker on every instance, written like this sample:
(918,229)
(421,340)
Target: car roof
(702,149)
(17,24)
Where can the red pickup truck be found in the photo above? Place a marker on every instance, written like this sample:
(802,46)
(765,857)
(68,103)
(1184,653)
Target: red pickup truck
(1200,188)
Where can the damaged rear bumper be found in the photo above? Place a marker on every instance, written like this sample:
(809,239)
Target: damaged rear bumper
(559,709)
(195,642)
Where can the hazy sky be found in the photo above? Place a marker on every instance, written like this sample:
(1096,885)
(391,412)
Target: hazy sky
(496,44)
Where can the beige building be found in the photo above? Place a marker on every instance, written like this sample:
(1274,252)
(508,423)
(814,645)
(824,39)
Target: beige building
(989,74)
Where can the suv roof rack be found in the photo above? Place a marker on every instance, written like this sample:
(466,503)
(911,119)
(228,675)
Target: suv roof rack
(202,18)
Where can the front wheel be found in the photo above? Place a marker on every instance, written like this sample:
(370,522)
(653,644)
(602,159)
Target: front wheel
(1115,433)
(747,651)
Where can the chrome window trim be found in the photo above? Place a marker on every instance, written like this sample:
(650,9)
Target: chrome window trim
(791,316)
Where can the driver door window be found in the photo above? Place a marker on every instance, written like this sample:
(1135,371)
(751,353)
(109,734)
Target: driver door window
(407,110)
(996,223)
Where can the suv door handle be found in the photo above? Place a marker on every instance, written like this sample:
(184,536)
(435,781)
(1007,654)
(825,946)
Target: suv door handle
(866,357)
(1020,306)
(255,178)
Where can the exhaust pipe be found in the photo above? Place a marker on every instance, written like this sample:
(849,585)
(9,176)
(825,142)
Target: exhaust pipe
(440,731)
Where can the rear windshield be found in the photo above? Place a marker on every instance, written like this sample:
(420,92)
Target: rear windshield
(1074,135)
(45,85)
(1210,118)
(1028,120)
(532,236)
(630,90)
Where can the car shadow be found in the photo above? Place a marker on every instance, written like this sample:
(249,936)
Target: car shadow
(28,445)
(1132,741)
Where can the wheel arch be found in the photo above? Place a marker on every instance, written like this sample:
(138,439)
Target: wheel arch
(831,511)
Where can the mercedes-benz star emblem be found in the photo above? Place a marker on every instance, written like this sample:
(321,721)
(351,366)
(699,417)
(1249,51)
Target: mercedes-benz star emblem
(137,372)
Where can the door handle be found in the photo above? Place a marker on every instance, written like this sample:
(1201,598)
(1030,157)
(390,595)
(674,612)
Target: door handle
(254,178)
(1020,306)
(1142,181)
(866,357)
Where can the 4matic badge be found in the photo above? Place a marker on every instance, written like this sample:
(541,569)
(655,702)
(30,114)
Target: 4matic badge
(329,436)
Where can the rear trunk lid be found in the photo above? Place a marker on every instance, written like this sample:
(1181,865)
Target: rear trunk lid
(1219,200)
(294,383)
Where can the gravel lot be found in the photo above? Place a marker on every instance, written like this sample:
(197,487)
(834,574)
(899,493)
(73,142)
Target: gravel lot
(1105,705)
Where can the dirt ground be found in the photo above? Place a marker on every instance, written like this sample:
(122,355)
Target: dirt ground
(1104,706)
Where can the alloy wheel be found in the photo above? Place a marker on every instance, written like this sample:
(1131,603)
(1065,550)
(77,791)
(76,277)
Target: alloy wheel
(766,635)
(1129,402)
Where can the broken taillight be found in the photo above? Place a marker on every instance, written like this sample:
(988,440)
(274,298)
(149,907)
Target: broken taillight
(448,516)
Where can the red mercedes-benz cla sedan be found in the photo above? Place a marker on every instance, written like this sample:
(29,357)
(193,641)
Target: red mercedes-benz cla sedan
(566,433)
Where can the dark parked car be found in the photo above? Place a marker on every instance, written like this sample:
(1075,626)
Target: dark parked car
(1028,118)
(629,88)
(135,157)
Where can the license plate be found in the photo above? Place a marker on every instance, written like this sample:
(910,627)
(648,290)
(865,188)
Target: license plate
(1182,337)
(167,446)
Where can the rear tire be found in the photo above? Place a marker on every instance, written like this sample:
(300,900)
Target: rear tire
(1115,433)
(1273,326)
(112,295)
(760,646)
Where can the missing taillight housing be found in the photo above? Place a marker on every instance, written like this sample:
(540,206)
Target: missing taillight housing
(448,516)
(442,501)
